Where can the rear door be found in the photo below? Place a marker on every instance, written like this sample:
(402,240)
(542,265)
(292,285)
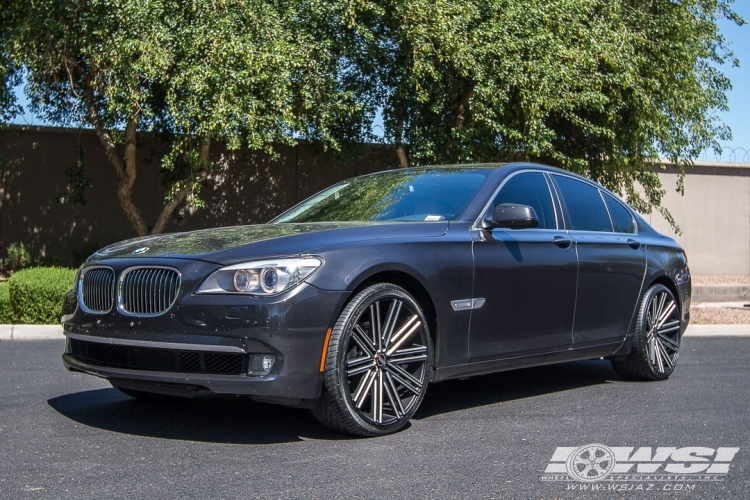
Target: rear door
(611,261)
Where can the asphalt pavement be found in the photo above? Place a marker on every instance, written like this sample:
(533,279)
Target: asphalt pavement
(66,435)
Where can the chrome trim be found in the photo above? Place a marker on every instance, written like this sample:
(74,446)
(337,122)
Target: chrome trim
(159,345)
(467,304)
(121,309)
(79,292)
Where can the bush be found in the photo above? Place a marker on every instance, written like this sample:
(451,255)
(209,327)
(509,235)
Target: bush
(19,257)
(6,313)
(36,294)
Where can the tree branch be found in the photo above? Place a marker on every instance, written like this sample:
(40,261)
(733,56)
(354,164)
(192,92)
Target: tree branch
(169,208)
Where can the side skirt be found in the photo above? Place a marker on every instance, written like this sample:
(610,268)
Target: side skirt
(514,363)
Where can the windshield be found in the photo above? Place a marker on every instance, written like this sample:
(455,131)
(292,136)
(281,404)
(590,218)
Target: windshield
(402,195)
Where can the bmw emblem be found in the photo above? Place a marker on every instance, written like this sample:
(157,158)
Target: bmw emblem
(139,251)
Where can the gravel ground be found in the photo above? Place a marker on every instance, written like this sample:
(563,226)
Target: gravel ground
(720,314)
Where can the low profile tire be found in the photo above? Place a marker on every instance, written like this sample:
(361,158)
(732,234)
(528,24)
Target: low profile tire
(378,363)
(656,341)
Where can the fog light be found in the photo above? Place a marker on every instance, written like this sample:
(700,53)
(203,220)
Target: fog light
(261,364)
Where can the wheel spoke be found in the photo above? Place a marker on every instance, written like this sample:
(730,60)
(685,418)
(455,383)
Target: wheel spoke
(364,388)
(666,314)
(375,325)
(409,355)
(393,396)
(661,298)
(665,355)
(362,368)
(403,334)
(377,398)
(405,378)
(671,343)
(669,327)
(363,342)
(390,322)
(657,355)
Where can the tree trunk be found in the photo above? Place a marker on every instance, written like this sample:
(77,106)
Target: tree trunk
(127,169)
(463,105)
(403,160)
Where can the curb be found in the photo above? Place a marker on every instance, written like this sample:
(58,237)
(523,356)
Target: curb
(31,332)
(52,332)
(721,293)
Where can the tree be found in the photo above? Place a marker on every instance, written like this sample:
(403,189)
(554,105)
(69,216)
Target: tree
(600,87)
(244,72)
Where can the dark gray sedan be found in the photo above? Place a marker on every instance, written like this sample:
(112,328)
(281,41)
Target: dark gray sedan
(353,301)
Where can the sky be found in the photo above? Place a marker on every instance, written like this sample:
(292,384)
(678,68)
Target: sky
(738,116)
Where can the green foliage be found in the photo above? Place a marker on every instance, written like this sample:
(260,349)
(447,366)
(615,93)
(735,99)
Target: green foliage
(77,182)
(244,72)
(19,257)
(604,88)
(6,312)
(36,294)
(600,87)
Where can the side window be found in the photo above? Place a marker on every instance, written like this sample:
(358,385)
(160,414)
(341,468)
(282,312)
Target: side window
(530,189)
(585,205)
(622,219)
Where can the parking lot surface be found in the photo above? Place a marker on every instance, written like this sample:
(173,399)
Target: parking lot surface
(65,435)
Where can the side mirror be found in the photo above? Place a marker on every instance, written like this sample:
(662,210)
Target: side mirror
(510,215)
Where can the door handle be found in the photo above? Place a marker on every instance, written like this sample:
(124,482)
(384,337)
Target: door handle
(634,244)
(562,241)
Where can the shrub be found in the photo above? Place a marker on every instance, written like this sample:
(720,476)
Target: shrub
(6,313)
(36,294)
(19,257)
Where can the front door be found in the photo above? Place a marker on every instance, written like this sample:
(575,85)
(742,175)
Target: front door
(527,278)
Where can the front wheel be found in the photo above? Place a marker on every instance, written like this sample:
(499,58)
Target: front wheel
(656,341)
(378,363)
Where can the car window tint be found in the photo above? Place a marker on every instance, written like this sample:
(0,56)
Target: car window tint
(622,220)
(530,189)
(585,206)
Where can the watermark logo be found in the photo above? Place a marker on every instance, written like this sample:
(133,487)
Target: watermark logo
(629,468)
(592,462)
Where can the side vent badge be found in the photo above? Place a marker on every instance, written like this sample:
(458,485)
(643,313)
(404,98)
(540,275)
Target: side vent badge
(467,304)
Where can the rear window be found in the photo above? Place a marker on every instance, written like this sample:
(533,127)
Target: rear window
(585,205)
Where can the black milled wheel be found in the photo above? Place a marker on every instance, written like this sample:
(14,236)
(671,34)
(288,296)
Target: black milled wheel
(656,341)
(378,363)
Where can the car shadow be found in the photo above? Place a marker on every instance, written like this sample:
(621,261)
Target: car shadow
(206,418)
(503,387)
(237,420)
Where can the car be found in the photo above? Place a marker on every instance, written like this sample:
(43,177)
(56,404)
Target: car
(353,301)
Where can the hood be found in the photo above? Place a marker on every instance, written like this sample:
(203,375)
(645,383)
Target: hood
(224,244)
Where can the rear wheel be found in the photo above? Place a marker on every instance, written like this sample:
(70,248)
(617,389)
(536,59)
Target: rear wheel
(656,341)
(378,363)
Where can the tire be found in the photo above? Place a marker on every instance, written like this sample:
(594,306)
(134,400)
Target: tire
(378,363)
(656,341)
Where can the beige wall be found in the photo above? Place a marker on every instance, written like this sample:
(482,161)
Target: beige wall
(250,187)
(714,216)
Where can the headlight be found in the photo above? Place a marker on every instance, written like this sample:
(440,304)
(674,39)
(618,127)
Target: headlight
(261,278)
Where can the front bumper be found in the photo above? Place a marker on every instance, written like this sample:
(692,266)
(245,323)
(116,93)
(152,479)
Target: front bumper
(291,327)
